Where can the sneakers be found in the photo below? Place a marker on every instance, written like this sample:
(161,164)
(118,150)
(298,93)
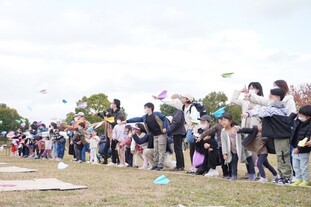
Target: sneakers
(304,184)
(159,169)
(262,180)
(274,179)
(251,177)
(212,173)
(296,183)
(233,178)
(192,171)
(284,181)
(154,168)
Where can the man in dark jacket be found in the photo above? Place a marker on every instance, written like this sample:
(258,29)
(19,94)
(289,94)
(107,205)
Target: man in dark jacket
(116,112)
(156,124)
(178,132)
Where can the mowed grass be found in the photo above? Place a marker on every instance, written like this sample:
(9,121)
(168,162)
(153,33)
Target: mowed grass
(112,186)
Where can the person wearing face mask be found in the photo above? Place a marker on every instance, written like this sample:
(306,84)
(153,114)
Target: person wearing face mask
(288,99)
(118,135)
(301,152)
(276,126)
(116,112)
(157,125)
(248,122)
(210,148)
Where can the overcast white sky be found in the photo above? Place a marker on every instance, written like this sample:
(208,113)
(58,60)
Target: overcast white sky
(133,49)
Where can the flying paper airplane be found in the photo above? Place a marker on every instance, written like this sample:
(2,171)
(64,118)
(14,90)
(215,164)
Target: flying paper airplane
(162,95)
(29,108)
(219,112)
(227,75)
(44,91)
(82,105)
(64,101)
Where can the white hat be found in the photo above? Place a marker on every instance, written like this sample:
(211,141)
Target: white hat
(80,114)
(188,96)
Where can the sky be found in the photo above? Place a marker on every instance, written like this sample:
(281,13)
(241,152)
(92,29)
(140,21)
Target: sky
(132,50)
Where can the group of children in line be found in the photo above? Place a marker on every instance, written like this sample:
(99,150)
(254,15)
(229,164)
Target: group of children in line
(269,125)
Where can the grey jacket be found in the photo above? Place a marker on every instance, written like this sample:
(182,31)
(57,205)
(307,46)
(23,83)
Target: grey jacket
(178,123)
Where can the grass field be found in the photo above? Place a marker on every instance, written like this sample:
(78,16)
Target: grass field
(112,186)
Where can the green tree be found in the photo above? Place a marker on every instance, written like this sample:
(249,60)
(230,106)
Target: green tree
(8,117)
(214,101)
(167,110)
(235,111)
(95,103)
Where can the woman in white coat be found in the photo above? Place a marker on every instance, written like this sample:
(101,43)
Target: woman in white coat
(253,88)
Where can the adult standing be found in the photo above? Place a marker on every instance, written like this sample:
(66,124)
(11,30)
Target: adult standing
(115,112)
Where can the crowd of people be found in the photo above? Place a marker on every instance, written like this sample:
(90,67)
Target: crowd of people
(270,125)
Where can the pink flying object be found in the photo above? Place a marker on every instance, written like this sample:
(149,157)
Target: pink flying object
(82,105)
(44,91)
(162,95)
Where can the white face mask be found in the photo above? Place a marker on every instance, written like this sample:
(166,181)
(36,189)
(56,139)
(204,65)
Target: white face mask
(202,126)
(76,118)
(303,119)
(118,121)
(252,91)
(270,102)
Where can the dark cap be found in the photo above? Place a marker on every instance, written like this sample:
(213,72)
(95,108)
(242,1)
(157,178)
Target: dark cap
(205,118)
(278,92)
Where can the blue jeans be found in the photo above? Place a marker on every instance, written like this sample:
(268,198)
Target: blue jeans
(55,145)
(61,149)
(234,165)
(84,149)
(301,166)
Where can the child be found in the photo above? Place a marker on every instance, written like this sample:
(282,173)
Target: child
(40,146)
(126,143)
(156,124)
(257,144)
(118,134)
(77,140)
(301,130)
(48,148)
(216,131)
(140,149)
(276,126)
(94,140)
(231,145)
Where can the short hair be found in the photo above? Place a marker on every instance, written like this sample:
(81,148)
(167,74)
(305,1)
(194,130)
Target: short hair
(149,105)
(282,85)
(258,86)
(305,110)
(82,125)
(129,127)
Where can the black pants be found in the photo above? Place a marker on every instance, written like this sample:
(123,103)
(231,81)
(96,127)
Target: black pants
(78,151)
(178,140)
(128,157)
(226,170)
(213,158)
(192,149)
(114,152)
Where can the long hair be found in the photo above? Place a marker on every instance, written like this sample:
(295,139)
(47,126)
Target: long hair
(282,85)
(257,86)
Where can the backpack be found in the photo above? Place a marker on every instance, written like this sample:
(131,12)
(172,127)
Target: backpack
(200,108)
